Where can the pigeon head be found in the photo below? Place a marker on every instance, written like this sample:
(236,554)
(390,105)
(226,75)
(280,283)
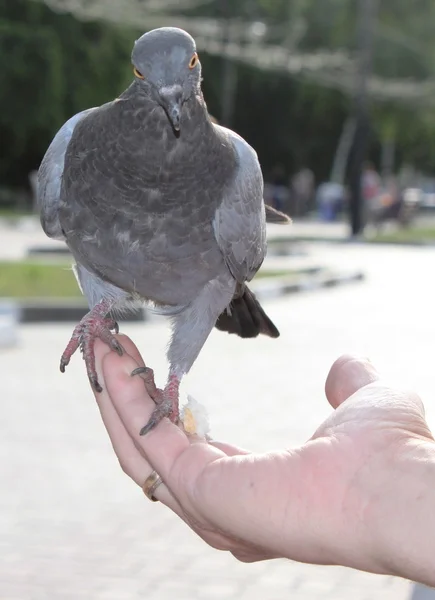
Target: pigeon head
(166,65)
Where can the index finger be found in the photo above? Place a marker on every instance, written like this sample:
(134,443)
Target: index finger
(166,446)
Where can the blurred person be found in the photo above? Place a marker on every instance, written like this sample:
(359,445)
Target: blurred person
(359,493)
(392,197)
(302,187)
(330,200)
(279,189)
(371,184)
(394,204)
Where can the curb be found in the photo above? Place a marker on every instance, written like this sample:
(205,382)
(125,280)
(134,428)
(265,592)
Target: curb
(348,240)
(49,251)
(290,239)
(412,243)
(9,317)
(285,287)
(39,311)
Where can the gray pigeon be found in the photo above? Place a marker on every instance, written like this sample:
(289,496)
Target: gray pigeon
(158,203)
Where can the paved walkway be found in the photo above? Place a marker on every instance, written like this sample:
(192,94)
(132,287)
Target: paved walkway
(17,238)
(73,527)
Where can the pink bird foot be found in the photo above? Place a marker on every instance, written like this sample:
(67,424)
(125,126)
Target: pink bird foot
(93,325)
(167,400)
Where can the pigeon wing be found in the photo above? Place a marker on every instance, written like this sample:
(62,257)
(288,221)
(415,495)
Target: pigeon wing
(240,220)
(50,177)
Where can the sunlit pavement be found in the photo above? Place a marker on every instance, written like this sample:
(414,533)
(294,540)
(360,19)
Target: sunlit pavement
(16,237)
(73,526)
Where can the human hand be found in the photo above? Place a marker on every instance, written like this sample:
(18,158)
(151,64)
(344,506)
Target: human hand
(328,502)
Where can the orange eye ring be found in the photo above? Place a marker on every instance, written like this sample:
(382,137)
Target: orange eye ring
(138,74)
(194,61)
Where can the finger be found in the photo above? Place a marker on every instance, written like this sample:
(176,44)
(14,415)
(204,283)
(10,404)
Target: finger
(208,485)
(128,345)
(347,375)
(134,407)
(131,460)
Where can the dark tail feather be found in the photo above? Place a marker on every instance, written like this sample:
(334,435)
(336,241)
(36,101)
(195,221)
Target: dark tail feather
(246,318)
(276,216)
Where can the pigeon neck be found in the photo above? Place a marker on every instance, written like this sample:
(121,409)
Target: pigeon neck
(194,118)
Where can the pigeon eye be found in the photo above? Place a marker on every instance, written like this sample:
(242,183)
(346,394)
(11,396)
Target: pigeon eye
(138,73)
(194,61)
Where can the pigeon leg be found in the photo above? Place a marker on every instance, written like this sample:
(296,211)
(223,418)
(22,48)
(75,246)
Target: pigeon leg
(167,400)
(147,375)
(94,325)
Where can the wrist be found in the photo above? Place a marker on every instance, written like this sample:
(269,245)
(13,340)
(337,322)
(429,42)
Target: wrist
(401,519)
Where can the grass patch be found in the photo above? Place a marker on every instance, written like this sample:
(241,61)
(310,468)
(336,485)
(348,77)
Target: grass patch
(37,280)
(14,213)
(265,273)
(401,236)
(32,279)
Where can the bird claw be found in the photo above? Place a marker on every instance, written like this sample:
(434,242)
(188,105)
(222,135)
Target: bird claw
(95,384)
(94,325)
(166,401)
(64,362)
(147,375)
(116,346)
(164,409)
(140,371)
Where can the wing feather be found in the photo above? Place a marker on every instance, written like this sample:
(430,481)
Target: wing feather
(50,177)
(240,220)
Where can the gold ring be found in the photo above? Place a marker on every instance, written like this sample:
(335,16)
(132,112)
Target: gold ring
(150,485)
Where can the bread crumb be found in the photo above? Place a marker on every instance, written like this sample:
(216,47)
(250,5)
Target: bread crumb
(195,418)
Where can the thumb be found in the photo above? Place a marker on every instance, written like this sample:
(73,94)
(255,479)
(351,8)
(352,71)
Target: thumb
(347,375)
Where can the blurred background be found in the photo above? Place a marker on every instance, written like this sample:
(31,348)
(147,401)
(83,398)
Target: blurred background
(322,94)
(337,98)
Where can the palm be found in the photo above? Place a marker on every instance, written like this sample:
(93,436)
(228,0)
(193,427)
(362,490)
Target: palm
(360,435)
(227,495)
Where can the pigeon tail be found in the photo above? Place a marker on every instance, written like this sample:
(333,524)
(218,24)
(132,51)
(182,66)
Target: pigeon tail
(276,216)
(246,318)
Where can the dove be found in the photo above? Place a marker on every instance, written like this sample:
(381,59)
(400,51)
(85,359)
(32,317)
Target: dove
(159,204)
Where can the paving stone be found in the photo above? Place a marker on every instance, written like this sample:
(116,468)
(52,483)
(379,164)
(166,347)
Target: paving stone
(72,526)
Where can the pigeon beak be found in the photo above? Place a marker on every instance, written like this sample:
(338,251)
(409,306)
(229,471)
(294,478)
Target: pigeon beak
(172,101)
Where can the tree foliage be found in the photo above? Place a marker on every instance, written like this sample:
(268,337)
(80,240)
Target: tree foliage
(53,65)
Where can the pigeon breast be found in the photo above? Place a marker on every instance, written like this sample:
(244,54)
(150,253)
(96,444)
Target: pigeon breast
(137,202)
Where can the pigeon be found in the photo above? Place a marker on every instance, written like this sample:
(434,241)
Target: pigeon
(159,204)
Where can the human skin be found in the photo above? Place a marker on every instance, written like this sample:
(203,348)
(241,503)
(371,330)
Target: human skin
(360,493)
